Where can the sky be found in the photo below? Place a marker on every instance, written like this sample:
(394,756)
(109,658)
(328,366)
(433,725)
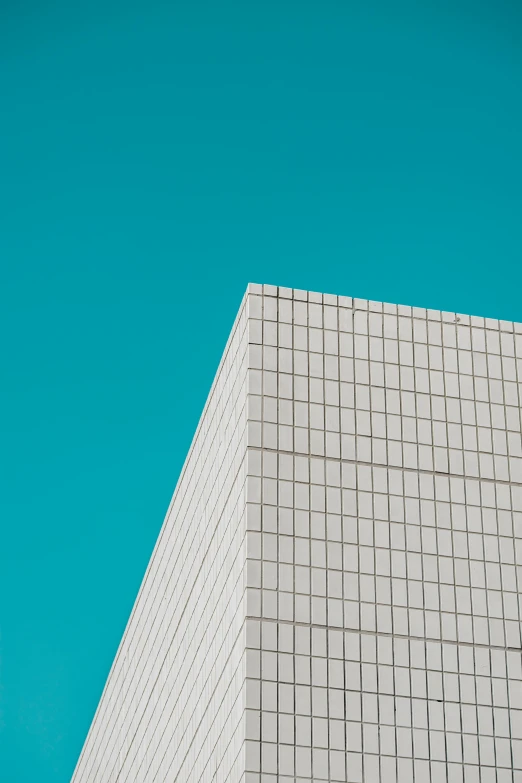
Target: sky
(155,157)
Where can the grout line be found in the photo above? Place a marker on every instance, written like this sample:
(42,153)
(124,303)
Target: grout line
(343,629)
(383,465)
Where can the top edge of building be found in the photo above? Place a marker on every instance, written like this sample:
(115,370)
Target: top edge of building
(387,308)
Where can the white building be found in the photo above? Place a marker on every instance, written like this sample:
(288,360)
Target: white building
(335,592)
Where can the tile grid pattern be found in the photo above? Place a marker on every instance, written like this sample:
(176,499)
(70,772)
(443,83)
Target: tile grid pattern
(335,593)
(384,543)
(172,708)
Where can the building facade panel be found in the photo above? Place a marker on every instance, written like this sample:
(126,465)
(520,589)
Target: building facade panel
(172,707)
(335,595)
(384,543)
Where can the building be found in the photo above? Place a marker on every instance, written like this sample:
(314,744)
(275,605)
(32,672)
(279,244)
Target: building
(335,592)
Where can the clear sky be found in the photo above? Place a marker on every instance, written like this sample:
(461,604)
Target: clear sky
(154,158)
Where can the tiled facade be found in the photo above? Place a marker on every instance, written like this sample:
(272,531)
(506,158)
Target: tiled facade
(335,594)
(172,708)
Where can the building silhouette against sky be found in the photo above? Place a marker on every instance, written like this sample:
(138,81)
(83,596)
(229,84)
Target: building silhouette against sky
(335,592)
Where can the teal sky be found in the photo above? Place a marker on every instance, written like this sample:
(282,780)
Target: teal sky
(154,158)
